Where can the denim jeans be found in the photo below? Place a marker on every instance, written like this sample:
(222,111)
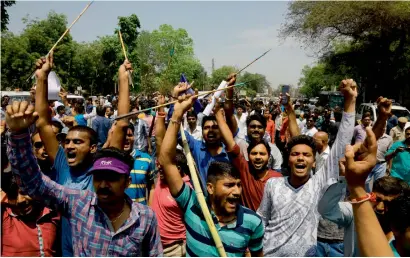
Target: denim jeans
(329,250)
(378,171)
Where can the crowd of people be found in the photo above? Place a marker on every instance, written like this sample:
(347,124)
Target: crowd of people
(280,179)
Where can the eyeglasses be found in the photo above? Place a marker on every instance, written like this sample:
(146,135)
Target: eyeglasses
(38,145)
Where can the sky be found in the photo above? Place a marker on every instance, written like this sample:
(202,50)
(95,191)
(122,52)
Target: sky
(233,33)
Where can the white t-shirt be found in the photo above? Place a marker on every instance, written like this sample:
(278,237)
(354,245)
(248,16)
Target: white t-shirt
(242,125)
(309,132)
(290,215)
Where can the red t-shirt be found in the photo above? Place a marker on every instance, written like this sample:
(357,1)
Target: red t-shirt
(20,238)
(169,215)
(270,129)
(252,189)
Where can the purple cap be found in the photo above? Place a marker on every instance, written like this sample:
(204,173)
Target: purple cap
(110,163)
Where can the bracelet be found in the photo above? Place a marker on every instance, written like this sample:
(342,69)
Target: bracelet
(369,197)
(175,121)
(160,114)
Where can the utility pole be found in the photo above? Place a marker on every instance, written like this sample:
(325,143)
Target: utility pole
(213,65)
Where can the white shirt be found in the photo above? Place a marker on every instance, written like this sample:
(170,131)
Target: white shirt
(290,215)
(242,125)
(197,133)
(278,122)
(309,132)
(321,158)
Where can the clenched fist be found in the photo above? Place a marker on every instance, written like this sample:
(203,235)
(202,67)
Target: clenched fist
(20,115)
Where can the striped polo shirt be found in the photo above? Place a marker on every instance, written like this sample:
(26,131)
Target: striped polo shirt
(142,177)
(246,232)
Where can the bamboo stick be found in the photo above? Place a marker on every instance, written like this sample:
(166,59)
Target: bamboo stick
(65,32)
(200,196)
(253,61)
(126,58)
(175,101)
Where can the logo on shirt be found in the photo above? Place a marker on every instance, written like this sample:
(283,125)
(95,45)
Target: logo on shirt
(106,163)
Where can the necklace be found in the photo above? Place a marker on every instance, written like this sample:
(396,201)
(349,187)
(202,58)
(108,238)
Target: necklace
(123,208)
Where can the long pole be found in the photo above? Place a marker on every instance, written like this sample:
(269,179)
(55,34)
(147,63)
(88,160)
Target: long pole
(126,58)
(253,61)
(200,196)
(173,102)
(65,32)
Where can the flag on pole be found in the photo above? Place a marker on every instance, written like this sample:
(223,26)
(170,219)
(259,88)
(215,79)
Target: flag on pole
(197,104)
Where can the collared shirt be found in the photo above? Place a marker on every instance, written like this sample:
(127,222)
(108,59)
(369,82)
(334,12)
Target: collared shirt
(101,126)
(321,158)
(29,238)
(290,214)
(142,177)
(383,145)
(93,234)
(140,134)
(202,156)
(401,162)
(246,232)
(197,133)
(359,133)
(252,189)
(309,132)
(397,134)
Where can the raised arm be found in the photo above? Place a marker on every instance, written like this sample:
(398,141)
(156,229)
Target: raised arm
(224,129)
(24,164)
(228,106)
(292,124)
(169,146)
(384,108)
(371,239)
(160,126)
(329,173)
(118,135)
(44,66)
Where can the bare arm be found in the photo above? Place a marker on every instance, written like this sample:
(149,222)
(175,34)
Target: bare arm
(228,107)
(293,125)
(384,107)
(169,146)
(225,132)
(117,139)
(43,123)
(160,126)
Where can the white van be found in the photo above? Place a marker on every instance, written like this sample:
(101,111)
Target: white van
(397,110)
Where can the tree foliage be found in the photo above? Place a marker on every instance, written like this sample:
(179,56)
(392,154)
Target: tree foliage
(367,40)
(4,14)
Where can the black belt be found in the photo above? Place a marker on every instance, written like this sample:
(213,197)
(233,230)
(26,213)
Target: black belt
(329,241)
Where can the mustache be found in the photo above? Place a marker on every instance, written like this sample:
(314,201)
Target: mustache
(104,191)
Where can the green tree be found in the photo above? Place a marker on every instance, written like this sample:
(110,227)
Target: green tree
(220,74)
(316,79)
(4,14)
(368,40)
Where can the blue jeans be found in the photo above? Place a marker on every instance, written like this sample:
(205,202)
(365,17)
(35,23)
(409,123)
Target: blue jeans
(378,171)
(329,250)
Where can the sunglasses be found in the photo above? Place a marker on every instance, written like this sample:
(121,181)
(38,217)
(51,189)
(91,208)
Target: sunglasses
(38,145)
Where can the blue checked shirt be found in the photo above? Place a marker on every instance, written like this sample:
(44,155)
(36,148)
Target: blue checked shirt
(91,229)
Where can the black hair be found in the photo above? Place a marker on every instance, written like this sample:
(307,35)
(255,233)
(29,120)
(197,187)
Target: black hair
(312,117)
(91,133)
(191,114)
(9,185)
(206,119)
(182,162)
(302,139)
(408,128)
(219,169)
(59,108)
(253,145)
(390,186)
(367,114)
(131,126)
(79,109)
(113,152)
(398,213)
(101,110)
(90,99)
(338,115)
(58,125)
(258,117)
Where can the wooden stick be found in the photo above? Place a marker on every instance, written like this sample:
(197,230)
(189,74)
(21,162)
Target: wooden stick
(126,58)
(65,32)
(173,102)
(200,196)
(253,61)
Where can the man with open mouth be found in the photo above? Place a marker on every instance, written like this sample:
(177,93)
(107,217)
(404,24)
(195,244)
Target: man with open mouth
(255,172)
(239,228)
(289,204)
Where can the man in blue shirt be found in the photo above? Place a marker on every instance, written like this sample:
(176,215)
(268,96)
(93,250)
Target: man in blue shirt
(101,126)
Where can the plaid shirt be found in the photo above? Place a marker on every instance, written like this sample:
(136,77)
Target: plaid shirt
(92,232)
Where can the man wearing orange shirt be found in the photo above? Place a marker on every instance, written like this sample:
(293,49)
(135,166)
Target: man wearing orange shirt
(270,125)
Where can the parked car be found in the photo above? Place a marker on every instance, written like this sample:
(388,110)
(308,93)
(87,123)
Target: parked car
(397,110)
